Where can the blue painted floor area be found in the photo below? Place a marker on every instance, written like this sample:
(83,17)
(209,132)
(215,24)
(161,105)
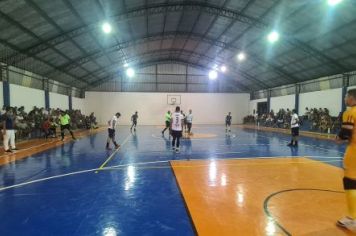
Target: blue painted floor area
(138,195)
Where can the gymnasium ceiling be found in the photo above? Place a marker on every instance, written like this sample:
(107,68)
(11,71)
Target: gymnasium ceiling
(63,39)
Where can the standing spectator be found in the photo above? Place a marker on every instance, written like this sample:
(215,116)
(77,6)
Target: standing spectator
(9,130)
(294,124)
(255,116)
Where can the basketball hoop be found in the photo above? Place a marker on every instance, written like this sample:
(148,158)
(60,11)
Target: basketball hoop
(173,100)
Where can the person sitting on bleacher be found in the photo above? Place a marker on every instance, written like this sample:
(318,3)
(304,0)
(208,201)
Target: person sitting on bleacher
(53,128)
(46,127)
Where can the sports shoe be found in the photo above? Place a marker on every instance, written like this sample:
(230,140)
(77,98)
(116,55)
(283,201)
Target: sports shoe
(117,146)
(177,150)
(14,149)
(348,223)
(173,149)
(8,150)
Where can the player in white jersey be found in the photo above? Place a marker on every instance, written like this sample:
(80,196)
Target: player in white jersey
(177,128)
(294,124)
(111,131)
(189,119)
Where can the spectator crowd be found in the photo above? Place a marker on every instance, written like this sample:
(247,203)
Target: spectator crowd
(40,122)
(313,119)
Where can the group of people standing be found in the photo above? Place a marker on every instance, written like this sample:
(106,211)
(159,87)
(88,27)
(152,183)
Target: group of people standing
(178,120)
(187,121)
(175,123)
(9,128)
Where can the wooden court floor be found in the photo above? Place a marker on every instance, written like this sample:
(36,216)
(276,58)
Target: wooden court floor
(284,196)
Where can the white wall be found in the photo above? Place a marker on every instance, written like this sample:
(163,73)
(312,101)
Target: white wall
(253,105)
(330,99)
(27,97)
(79,103)
(151,107)
(284,102)
(58,101)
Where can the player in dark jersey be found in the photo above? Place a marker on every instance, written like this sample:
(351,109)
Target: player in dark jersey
(228,122)
(134,118)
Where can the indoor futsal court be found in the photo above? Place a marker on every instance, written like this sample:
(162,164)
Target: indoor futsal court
(175,117)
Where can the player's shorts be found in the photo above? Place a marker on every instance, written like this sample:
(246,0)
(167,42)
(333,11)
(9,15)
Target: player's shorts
(176,133)
(350,161)
(168,124)
(349,184)
(63,127)
(111,133)
(295,131)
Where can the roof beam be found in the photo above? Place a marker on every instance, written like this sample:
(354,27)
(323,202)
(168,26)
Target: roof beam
(192,29)
(198,6)
(137,12)
(191,5)
(136,61)
(211,24)
(15,48)
(177,61)
(168,52)
(29,32)
(172,35)
(57,27)
(92,27)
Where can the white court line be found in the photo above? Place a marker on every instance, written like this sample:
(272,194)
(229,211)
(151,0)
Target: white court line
(139,163)
(113,154)
(182,139)
(183,151)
